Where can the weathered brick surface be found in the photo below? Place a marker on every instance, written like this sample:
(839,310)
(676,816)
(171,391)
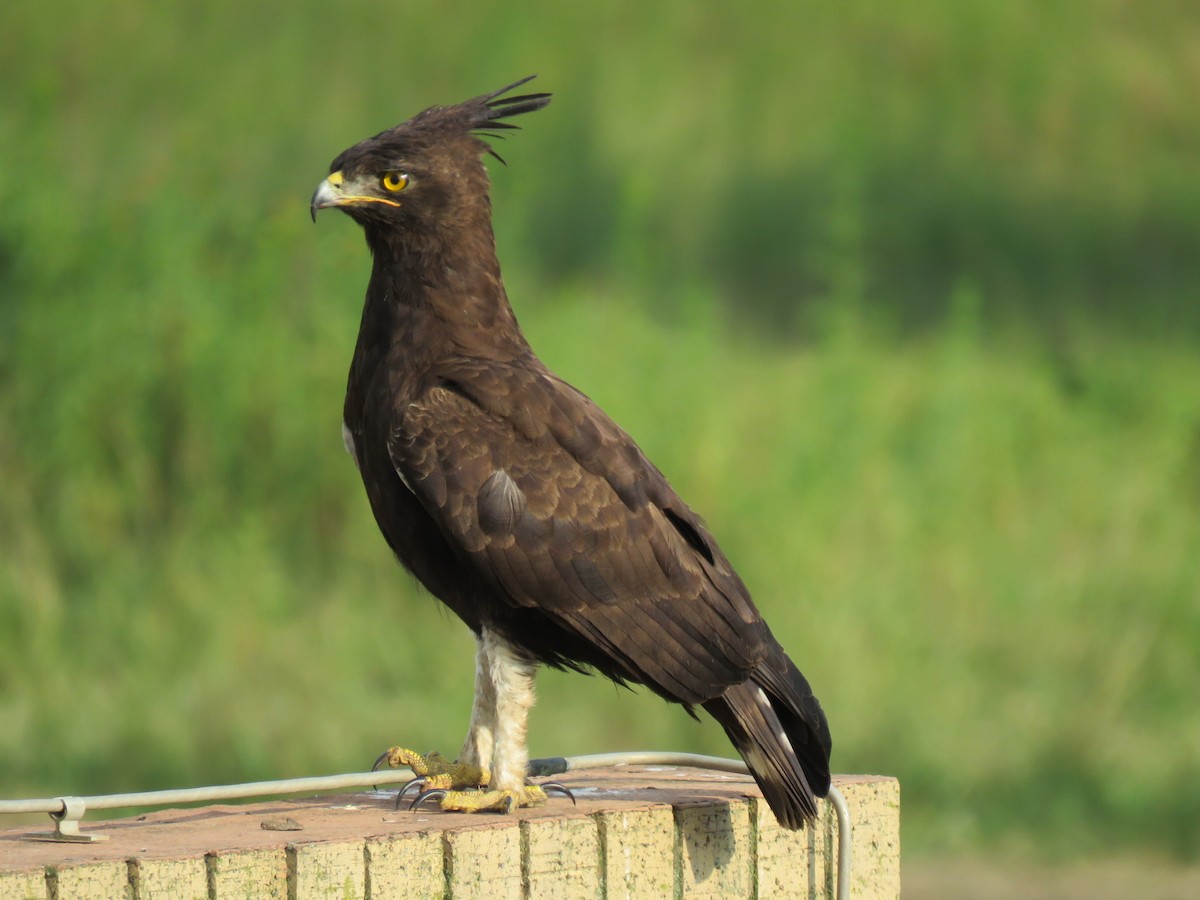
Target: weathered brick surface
(714,842)
(639,853)
(335,870)
(92,881)
(484,862)
(169,879)
(406,865)
(562,858)
(785,859)
(875,813)
(246,874)
(27,884)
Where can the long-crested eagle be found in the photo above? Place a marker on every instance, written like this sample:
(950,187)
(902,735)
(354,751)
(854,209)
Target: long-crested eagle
(516,501)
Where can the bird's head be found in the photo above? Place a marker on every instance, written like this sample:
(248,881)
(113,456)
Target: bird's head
(425,174)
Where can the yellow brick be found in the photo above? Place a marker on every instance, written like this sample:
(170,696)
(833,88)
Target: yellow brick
(639,853)
(786,859)
(94,881)
(875,813)
(484,862)
(811,855)
(562,859)
(249,874)
(406,865)
(715,856)
(29,884)
(169,879)
(329,870)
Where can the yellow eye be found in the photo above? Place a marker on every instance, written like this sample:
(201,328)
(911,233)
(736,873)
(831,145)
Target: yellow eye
(394,182)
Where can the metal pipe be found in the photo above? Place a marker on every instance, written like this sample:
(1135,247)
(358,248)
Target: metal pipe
(216,792)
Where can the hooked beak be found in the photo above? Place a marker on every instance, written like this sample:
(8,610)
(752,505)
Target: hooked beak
(328,193)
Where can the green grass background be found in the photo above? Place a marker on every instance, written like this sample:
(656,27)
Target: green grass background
(903,300)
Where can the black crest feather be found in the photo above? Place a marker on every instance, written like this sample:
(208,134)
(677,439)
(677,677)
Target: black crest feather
(487,110)
(494,106)
(480,116)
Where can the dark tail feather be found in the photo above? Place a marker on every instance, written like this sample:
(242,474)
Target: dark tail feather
(778,727)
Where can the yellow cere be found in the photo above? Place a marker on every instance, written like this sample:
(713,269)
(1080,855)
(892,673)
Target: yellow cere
(336,179)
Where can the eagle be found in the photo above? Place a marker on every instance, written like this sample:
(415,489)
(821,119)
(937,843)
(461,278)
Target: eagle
(517,502)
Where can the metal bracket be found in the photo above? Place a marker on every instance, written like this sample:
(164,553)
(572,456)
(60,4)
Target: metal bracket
(66,824)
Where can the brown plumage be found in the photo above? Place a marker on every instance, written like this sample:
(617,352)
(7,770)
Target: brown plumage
(511,496)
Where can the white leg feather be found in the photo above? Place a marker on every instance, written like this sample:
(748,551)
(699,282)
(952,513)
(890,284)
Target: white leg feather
(477,749)
(512,685)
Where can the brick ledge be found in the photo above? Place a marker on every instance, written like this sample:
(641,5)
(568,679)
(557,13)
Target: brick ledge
(637,832)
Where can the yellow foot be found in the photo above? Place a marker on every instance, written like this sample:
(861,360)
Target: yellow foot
(479,801)
(434,771)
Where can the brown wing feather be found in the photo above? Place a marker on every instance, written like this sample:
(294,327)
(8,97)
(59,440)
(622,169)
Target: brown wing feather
(556,507)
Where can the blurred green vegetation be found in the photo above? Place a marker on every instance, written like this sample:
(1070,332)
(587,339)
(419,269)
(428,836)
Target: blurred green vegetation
(904,302)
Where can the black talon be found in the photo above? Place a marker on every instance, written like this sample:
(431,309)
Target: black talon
(553,787)
(415,783)
(425,795)
(375,768)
